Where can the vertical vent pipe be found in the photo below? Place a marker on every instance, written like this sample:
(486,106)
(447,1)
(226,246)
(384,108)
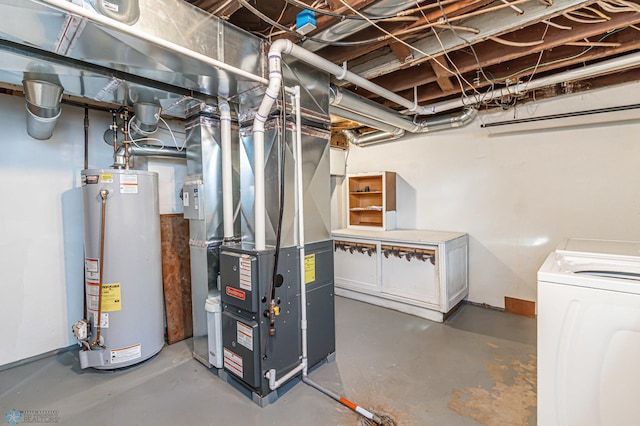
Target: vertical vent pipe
(227,172)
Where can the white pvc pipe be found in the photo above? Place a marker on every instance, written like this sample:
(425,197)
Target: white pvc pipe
(612,65)
(271,374)
(301,239)
(116,25)
(286,46)
(275,384)
(273,90)
(227,172)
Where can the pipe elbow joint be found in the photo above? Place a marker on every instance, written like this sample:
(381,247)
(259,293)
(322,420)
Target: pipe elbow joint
(467,116)
(225,109)
(119,157)
(280,46)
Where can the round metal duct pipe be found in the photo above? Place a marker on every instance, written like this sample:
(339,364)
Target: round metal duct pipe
(43,107)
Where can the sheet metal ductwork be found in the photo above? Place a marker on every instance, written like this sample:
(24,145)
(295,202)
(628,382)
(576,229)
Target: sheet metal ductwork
(391,124)
(43,107)
(348,27)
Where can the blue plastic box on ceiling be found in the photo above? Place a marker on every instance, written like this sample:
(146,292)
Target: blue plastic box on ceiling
(305,22)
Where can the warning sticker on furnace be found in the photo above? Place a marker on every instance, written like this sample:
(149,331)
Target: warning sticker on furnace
(111,301)
(233,362)
(126,354)
(309,268)
(245,336)
(244,266)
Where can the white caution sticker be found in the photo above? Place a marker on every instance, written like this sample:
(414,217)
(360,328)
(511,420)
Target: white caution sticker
(128,184)
(245,336)
(244,267)
(104,323)
(91,269)
(92,303)
(233,362)
(126,354)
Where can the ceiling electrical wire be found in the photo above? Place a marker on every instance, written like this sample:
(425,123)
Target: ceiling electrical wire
(270,21)
(365,16)
(457,73)
(395,37)
(618,6)
(516,43)
(553,24)
(557,61)
(473,51)
(544,34)
(284,8)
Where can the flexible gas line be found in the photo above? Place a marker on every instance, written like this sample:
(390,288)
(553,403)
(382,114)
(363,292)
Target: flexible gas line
(103,196)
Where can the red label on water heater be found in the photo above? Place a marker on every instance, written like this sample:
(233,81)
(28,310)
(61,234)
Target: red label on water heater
(234,292)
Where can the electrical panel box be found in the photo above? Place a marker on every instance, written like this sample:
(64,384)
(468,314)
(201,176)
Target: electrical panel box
(193,200)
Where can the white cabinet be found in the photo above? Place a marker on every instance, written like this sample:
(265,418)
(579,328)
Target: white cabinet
(423,273)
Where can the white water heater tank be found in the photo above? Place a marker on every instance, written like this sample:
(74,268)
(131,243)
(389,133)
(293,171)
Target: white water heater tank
(131,308)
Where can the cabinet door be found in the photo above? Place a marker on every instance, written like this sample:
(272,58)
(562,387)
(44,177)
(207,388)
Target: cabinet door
(411,272)
(356,265)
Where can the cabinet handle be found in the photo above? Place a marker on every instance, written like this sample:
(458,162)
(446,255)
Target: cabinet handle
(409,253)
(345,246)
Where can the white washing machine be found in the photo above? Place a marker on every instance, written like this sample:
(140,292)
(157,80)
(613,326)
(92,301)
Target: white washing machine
(589,334)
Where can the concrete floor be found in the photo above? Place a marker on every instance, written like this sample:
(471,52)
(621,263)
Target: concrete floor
(478,367)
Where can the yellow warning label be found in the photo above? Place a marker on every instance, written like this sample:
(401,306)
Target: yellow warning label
(309,268)
(111,298)
(106,178)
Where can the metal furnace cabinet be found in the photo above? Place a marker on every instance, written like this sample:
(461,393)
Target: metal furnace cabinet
(423,273)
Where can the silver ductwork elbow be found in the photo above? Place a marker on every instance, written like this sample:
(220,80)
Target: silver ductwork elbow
(371,138)
(43,107)
(118,158)
(449,121)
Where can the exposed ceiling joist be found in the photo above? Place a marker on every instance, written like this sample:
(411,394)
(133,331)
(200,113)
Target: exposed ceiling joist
(340,54)
(507,46)
(491,24)
(489,54)
(520,68)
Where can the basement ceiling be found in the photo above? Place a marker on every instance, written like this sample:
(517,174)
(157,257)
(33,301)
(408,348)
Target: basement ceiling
(431,51)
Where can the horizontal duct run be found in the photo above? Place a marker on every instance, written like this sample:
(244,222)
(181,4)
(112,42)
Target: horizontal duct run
(147,151)
(391,124)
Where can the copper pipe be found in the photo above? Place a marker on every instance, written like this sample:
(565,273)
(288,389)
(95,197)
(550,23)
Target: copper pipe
(114,127)
(125,130)
(103,196)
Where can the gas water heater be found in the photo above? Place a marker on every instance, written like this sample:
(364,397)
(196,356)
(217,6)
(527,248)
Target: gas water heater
(123,270)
